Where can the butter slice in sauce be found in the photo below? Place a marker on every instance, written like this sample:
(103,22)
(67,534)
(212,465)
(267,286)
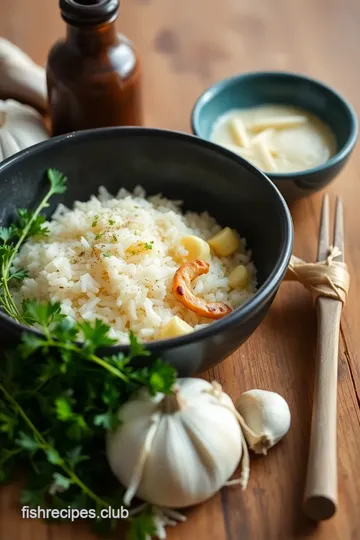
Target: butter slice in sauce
(279,138)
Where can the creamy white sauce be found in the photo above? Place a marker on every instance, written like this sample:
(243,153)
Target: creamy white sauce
(276,138)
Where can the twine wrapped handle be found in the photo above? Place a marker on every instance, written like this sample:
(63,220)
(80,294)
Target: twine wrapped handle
(328,278)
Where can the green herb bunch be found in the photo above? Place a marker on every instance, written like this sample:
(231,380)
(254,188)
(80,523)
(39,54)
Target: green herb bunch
(27,224)
(58,397)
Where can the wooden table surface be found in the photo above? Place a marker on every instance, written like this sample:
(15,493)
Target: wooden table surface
(186,46)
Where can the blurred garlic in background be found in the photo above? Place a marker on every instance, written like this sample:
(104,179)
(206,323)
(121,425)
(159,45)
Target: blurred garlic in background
(21,126)
(21,78)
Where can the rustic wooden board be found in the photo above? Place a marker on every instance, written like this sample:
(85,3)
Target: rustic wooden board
(185,47)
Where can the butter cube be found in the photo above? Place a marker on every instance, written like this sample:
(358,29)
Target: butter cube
(239,277)
(197,247)
(225,242)
(174,328)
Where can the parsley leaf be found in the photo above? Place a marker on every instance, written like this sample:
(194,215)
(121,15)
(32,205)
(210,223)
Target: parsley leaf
(54,457)
(136,348)
(75,456)
(32,498)
(29,344)
(35,225)
(19,275)
(57,181)
(96,335)
(63,409)
(7,425)
(6,233)
(5,255)
(107,420)
(162,378)
(66,329)
(143,526)
(26,442)
(60,484)
(42,313)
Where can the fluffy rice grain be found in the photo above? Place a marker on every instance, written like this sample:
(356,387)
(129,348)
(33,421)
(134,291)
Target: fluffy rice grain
(114,258)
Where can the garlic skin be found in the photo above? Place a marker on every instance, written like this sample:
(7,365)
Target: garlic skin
(21,126)
(21,78)
(267,418)
(178,450)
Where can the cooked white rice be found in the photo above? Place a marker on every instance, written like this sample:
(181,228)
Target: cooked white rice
(84,264)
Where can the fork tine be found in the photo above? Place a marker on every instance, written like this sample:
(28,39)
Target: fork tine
(324,231)
(339,228)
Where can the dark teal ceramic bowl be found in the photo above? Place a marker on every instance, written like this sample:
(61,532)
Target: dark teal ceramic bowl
(260,88)
(204,175)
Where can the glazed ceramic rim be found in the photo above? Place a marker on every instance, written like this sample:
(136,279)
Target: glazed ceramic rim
(267,289)
(345,150)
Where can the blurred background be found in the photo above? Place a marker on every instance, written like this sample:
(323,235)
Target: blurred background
(186,46)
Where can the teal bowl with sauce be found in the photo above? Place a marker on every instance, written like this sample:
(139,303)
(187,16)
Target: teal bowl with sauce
(255,89)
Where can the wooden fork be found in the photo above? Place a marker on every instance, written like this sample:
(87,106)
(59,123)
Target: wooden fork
(321,484)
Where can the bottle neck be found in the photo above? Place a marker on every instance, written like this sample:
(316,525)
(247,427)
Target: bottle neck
(92,39)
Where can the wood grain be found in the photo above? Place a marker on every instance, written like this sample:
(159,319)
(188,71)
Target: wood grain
(185,47)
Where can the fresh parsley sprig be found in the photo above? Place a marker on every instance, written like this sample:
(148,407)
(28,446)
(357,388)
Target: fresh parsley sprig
(59,397)
(55,411)
(11,239)
(60,333)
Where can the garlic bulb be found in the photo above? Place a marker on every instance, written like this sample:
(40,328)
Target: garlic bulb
(266,418)
(20,77)
(20,127)
(177,450)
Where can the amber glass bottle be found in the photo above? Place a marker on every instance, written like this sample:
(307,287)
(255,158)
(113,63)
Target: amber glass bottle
(93,75)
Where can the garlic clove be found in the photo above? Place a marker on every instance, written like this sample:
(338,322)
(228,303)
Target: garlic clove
(266,416)
(21,126)
(21,78)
